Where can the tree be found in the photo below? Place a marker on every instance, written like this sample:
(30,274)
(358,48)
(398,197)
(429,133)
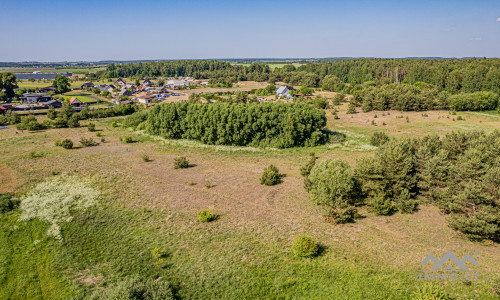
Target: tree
(334,187)
(351,109)
(330,83)
(61,84)
(51,113)
(270,176)
(8,83)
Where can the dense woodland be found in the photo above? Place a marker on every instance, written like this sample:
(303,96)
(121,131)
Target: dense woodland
(269,124)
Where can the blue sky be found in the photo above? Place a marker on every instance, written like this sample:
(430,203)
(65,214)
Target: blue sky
(125,30)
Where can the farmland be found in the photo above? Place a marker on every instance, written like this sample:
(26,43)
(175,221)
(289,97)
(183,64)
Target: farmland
(245,253)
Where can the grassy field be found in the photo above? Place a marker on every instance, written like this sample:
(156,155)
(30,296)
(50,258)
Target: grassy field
(246,252)
(54,70)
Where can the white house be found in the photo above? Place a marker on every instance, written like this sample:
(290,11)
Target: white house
(173,84)
(283,91)
(146,99)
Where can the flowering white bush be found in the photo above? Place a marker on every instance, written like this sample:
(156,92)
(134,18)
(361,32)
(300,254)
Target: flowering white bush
(56,200)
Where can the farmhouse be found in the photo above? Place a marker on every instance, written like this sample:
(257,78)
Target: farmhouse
(46,90)
(125,92)
(146,99)
(28,98)
(174,84)
(75,102)
(87,85)
(119,81)
(53,103)
(3,110)
(283,91)
(146,83)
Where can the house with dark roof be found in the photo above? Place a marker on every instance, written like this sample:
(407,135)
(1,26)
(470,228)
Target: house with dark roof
(146,83)
(46,90)
(119,81)
(87,85)
(125,92)
(52,103)
(28,98)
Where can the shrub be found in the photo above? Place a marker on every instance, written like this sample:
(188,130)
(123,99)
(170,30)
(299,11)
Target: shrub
(56,200)
(351,109)
(404,203)
(67,144)
(60,123)
(378,139)
(206,215)
(307,167)
(305,246)
(135,119)
(98,134)
(430,292)
(57,143)
(474,101)
(114,124)
(334,187)
(127,139)
(381,205)
(136,288)
(103,140)
(208,184)
(87,142)
(145,158)
(8,203)
(91,127)
(270,176)
(30,123)
(181,163)
(73,121)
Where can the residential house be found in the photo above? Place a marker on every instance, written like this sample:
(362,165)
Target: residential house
(283,91)
(3,110)
(146,83)
(75,102)
(125,92)
(28,98)
(53,103)
(175,84)
(126,102)
(119,81)
(146,99)
(87,85)
(46,90)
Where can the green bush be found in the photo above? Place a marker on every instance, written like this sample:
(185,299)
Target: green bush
(91,127)
(135,288)
(181,163)
(87,142)
(60,123)
(305,246)
(57,143)
(270,176)
(98,134)
(145,158)
(8,203)
(381,205)
(73,121)
(114,124)
(206,216)
(404,203)
(67,144)
(430,292)
(135,119)
(307,167)
(127,139)
(334,187)
(30,123)
(379,138)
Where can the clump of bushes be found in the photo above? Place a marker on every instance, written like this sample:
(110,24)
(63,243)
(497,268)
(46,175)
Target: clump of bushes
(270,176)
(30,123)
(87,142)
(67,144)
(334,187)
(91,127)
(159,256)
(206,215)
(181,163)
(8,203)
(378,139)
(474,101)
(136,288)
(305,246)
(127,139)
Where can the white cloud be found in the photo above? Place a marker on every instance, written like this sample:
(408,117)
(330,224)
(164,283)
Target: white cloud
(498,20)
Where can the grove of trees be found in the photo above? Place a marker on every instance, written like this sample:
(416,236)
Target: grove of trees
(280,125)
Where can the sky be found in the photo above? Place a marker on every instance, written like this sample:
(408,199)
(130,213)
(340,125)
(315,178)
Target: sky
(92,30)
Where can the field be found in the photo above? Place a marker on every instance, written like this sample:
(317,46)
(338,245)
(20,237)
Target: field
(245,253)
(54,70)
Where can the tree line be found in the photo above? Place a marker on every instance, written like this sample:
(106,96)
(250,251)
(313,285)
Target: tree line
(280,125)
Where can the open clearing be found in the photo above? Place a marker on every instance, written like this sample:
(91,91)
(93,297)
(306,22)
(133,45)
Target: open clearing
(246,252)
